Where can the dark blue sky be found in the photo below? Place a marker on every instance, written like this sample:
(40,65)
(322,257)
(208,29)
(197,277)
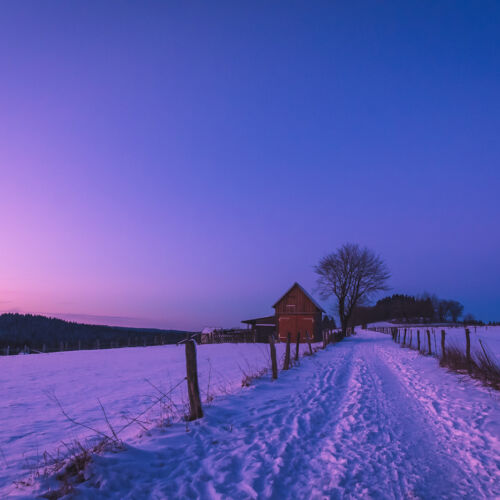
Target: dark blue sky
(181,164)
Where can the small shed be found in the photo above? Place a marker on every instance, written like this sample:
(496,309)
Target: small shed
(261,327)
(296,311)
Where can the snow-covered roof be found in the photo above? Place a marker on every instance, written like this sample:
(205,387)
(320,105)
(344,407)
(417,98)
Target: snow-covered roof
(208,330)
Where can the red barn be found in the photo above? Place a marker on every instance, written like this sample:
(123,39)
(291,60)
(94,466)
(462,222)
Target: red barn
(297,312)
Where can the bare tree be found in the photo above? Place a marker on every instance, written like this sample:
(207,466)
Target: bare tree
(455,310)
(352,274)
(442,310)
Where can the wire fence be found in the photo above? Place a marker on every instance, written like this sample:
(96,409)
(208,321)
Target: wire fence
(457,349)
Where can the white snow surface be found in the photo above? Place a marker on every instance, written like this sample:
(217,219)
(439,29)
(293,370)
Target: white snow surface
(362,419)
(32,422)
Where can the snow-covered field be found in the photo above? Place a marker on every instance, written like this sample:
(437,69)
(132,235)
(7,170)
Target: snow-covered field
(361,419)
(32,422)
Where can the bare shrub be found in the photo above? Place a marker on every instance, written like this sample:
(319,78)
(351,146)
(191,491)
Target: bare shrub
(488,367)
(69,467)
(249,377)
(482,366)
(457,360)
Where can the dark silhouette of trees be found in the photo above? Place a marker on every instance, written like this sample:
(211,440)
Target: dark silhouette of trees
(17,330)
(409,309)
(469,319)
(352,275)
(445,310)
(455,310)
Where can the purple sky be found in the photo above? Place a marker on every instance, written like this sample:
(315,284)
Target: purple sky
(181,164)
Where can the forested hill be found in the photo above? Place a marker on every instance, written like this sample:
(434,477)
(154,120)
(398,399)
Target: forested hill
(17,330)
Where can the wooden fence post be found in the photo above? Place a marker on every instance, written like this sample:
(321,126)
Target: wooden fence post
(195,410)
(418,340)
(286,364)
(429,341)
(443,351)
(297,347)
(411,337)
(404,338)
(309,342)
(274,363)
(467,346)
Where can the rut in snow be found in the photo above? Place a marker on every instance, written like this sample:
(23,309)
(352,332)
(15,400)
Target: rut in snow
(363,419)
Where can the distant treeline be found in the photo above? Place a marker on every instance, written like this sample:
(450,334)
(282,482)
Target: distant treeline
(52,334)
(408,309)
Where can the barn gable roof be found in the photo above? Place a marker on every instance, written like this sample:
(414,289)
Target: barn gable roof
(303,291)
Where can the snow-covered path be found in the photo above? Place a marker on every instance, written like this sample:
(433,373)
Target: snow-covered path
(363,419)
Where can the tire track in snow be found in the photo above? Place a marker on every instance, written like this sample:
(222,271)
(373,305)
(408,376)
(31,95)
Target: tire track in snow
(379,457)
(370,467)
(313,417)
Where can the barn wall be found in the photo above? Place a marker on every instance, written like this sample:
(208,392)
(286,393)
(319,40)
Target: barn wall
(295,302)
(296,313)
